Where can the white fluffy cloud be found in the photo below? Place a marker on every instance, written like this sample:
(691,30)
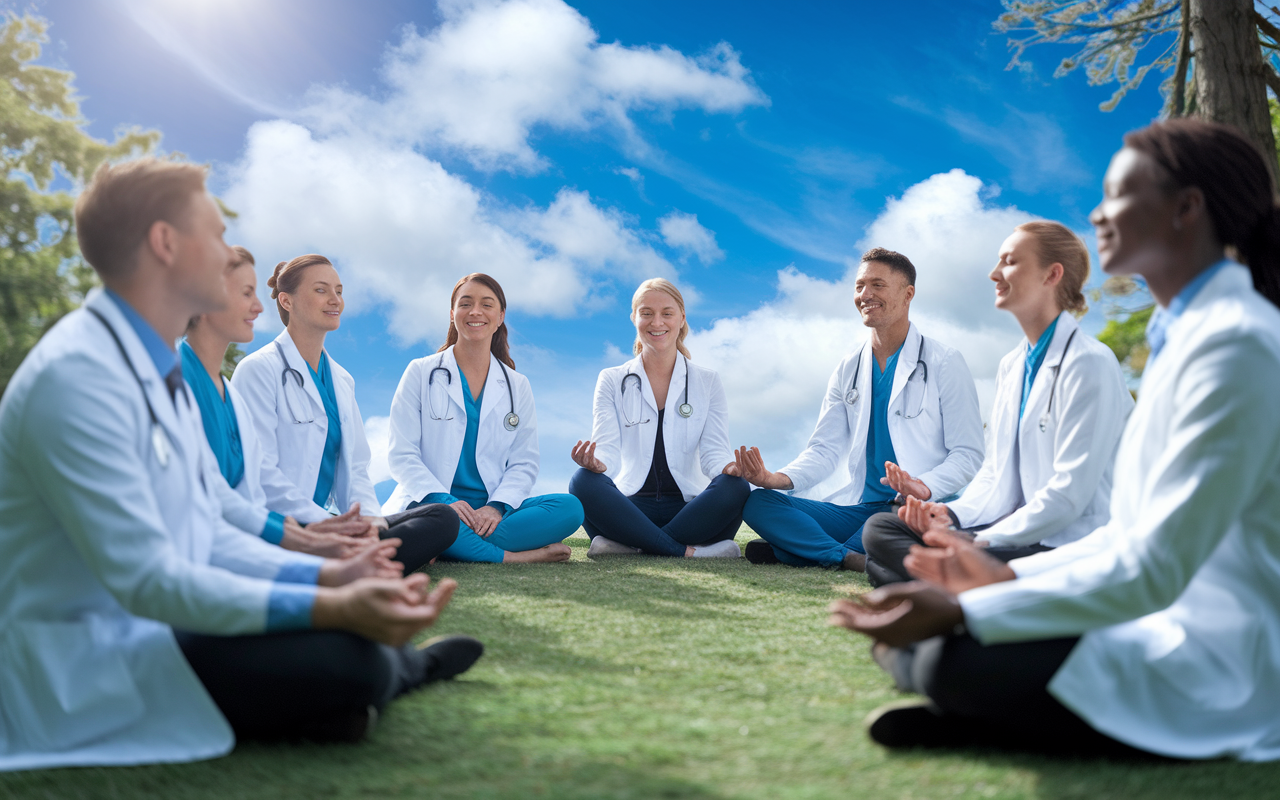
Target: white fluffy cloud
(683,232)
(492,72)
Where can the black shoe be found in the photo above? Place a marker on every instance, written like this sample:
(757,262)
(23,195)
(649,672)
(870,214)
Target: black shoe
(759,551)
(448,656)
(915,723)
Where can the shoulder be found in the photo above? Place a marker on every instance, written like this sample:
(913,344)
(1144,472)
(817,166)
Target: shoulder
(259,362)
(704,374)
(610,375)
(947,359)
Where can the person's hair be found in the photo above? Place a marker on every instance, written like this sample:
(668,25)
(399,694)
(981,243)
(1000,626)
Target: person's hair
(115,212)
(288,277)
(243,256)
(661,285)
(1058,244)
(1238,192)
(894,261)
(498,344)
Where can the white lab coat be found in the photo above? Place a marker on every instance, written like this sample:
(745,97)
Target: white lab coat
(942,446)
(101,550)
(292,451)
(1050,485)
(1177,598)
(697,448)
(424,452)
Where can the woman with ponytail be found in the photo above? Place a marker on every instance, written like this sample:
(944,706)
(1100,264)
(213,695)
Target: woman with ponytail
(302,403)
(464,432)
(660,433)
(1159,631)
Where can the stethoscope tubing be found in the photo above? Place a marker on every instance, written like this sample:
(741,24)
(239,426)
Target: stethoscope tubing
(285,374)
(853,393)
(511,421)
(159,440)
(685,410)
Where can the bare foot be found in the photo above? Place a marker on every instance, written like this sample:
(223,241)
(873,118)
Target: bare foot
(552,552)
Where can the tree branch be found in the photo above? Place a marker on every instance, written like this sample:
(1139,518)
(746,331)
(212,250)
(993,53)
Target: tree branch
(1266,27)
(1184,56)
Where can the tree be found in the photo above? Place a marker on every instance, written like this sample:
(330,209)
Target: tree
(42,144)
(1220,56)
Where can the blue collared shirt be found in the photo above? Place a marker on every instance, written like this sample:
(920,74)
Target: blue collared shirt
(294,590)
(1035,357)
(161,352)
(1162,318)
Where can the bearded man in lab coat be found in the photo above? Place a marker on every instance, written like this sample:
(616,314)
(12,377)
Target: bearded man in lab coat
(135,625)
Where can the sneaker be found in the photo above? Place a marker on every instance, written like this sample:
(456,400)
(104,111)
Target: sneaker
(724,549)
(915,723)
(448,656)
(601,546)
(761,552)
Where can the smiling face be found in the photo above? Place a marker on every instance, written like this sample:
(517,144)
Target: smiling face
(1136,221)
(1022,282)
(317,304)
(882,295)
(235,322)
(658,320)
(477,313)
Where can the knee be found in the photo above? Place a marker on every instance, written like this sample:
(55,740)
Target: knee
(584,481)
(877,532)
(760,500)
(570,511)
(735,487)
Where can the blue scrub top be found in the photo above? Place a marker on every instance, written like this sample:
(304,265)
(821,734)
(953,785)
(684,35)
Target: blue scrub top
(879,444)
(333,438)
(1035,357)
(467,483)
(218,414)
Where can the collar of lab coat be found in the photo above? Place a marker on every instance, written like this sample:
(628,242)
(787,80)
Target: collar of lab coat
(674,390)
(1057,348)
(152,383)
(299,363)
(495,385)
(908,357)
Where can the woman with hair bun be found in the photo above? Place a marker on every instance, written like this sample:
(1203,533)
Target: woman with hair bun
(464,431)
(1061,404)
(315,457)
(1160,631)
(660,431)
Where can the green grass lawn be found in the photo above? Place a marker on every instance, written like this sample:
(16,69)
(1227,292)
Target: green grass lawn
(640,677)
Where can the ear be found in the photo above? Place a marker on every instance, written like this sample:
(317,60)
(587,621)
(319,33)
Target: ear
(162,242)
(1054,274)
(911,292)
(286,301)
(1189,208)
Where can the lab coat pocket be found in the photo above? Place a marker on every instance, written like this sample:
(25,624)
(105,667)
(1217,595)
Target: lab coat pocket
(66,684)
(1215,666)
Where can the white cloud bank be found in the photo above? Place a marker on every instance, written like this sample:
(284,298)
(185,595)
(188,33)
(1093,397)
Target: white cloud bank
(350,179)
(683,232)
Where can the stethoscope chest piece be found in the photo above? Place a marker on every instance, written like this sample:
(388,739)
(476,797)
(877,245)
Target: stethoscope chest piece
(851,396)
(1044,423)
(511,421)
(685,410)
(160,443)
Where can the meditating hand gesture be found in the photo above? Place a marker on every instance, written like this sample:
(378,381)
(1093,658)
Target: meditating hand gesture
(374,560)
(899,614)
(954,564)
(584,455)
(482,520)
(901,482)
(387,610)
(750,465)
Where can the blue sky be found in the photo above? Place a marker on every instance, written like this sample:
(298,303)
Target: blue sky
(749,151)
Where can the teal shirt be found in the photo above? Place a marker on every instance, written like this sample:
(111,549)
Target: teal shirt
(333,438)
(467,483)
(879,444)
(1035,357)
(218,414)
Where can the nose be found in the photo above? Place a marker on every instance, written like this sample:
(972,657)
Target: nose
(995,273)
(1096,217)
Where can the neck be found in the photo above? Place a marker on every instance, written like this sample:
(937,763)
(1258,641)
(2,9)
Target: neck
(162,310)
(472,354)
(659,363)
(1035,322)
(887,340)
(310,343)
(210,348)
(1165,285)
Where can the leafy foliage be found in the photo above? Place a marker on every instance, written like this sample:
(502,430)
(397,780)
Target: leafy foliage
(42,143)
(230,359)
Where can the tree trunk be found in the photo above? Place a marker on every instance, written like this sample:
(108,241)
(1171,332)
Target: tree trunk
(1230,81)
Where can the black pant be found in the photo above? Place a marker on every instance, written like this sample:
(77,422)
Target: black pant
(424,533)
(296,684)
(887,540)
(997,695)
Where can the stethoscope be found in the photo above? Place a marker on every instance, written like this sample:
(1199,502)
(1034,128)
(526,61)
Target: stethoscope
(685,410)
(511,421)
(852,394)
(287,373)
(1053,387)
(159,441)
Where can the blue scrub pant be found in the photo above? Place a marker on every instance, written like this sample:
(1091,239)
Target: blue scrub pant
(808,533)
(665,526)
(538,522)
